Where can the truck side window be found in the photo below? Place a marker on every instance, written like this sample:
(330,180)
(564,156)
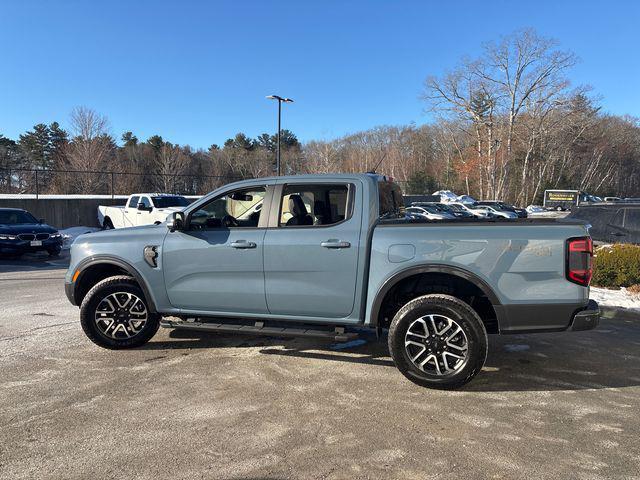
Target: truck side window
(240,208)
(145,201)
(133,202)
(314,205)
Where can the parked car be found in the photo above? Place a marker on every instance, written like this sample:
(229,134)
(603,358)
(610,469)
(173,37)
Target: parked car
(20,233)
(455,210)
(330,252)
(140,209)
(429,211)
(612,223)
(478,213)
(493,212)
(535,209)
(505,207)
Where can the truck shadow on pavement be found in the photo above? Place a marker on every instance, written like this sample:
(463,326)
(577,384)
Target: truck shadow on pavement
(607,357)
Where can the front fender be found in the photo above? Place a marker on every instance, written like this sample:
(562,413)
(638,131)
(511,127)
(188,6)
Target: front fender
(72,288)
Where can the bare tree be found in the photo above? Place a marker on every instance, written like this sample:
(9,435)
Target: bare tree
(90,150)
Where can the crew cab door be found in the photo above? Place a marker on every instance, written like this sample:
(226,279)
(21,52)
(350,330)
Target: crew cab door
(129,217)
(215,265)
(143,215)
(312,248)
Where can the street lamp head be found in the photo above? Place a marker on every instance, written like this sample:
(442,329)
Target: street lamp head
(279,98)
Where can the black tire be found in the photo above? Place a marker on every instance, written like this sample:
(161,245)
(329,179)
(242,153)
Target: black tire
(107,224)
(93,299)
(462,314)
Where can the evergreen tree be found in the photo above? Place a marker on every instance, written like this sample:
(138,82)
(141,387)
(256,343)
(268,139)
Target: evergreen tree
(37,147)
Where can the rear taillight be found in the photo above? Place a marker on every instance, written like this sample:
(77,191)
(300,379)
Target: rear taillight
(579,253)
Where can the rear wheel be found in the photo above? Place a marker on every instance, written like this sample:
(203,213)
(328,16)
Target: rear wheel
(115,314)
(438,341)
(107,224)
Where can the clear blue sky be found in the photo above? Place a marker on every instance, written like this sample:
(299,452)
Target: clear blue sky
(197,72)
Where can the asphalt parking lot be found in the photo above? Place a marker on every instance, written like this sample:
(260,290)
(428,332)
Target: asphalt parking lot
(206,406)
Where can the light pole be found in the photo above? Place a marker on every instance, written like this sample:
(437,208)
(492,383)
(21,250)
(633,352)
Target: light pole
(280,100)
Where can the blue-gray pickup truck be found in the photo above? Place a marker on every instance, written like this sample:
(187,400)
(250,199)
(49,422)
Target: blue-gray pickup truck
(330,255)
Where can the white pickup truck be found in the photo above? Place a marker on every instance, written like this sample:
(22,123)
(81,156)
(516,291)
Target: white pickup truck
(140,209)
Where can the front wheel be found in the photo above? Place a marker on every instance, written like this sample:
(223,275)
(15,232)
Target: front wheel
(438,341)
(115,314)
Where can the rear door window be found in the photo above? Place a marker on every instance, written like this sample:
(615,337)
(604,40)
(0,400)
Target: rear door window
(314,205)
(390,200)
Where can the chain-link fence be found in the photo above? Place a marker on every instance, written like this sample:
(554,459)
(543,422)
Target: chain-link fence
(41,182)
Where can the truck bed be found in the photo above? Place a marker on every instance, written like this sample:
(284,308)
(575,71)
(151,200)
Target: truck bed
(521,264)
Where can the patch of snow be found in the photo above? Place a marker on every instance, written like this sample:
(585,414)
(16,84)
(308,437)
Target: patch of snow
(535,209)
(466,199)
(70,234)
(446,195)
(615,298)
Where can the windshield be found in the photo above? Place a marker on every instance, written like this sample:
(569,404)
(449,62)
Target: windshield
(456,208)
(16,217)
(166,202)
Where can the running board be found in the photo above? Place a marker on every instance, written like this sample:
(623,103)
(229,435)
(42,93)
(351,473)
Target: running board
(338,334)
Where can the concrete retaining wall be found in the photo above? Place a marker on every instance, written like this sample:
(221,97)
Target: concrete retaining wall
(63,212)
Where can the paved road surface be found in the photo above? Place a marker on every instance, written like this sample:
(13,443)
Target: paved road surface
(206,406)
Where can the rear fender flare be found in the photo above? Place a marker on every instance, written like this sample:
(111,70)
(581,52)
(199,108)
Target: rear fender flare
(390,282)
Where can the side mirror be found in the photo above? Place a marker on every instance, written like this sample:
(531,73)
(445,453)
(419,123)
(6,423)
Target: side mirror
(41,220)
(141,206)
(175,221)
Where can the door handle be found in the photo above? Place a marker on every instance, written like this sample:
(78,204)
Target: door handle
(243,244)
(335,244)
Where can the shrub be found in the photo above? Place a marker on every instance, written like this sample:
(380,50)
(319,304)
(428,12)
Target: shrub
(616,266)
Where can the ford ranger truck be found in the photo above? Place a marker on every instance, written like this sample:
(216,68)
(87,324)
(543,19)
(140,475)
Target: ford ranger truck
(327,256)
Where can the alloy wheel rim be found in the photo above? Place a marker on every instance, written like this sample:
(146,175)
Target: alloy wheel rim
(436,345)
(121,315)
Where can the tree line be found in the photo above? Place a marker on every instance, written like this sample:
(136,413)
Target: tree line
(506,125)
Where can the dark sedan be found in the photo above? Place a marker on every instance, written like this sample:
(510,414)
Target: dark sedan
(20,233)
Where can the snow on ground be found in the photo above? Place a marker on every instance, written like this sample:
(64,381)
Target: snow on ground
(70,234)
(615,298)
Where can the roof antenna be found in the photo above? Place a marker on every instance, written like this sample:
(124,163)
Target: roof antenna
(373,170)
